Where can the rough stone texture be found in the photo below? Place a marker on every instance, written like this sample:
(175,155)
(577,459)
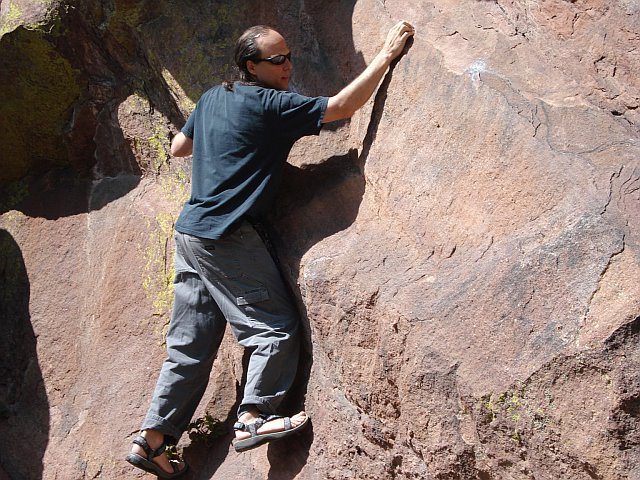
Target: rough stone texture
(464,251)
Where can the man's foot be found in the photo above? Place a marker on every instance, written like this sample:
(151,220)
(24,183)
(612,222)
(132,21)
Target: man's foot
(253,429)
(148,454)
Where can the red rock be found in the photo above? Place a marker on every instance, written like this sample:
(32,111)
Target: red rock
(464,250)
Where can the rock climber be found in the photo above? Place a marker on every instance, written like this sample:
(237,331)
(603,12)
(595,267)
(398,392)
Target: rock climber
(239,135)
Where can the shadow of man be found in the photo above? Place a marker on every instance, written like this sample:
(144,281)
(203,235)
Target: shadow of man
(24,407)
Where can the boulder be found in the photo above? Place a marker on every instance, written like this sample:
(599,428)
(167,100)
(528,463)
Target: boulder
(464,252)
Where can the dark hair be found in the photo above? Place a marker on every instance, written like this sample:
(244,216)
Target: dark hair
(245,50)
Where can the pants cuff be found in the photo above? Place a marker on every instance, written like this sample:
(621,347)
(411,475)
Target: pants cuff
(154,422)
(262,404)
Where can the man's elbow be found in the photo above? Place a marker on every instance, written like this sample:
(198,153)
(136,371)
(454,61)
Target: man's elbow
(181,146)
(175,150)
(337,109)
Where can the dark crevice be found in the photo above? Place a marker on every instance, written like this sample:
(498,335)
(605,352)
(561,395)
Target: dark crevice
(378,108)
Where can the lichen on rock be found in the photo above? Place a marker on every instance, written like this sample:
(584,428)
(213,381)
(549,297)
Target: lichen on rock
(464,250)
(39,89)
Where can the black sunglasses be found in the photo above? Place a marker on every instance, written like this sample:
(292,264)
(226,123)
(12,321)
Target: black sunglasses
(275,59)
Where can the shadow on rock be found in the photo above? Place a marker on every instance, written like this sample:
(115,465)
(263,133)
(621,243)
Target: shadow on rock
(64,138)
(24,407)
(288,457)
(61,193)
(207,452)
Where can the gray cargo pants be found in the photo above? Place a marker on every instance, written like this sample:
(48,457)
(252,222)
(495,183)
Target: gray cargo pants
(232,280)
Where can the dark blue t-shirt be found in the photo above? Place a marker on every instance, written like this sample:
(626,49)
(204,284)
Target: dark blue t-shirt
(241,140)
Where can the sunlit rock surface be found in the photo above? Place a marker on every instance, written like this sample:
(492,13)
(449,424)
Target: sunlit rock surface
(464,251)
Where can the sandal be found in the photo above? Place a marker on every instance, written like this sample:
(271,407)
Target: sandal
(148,465)
(256,439)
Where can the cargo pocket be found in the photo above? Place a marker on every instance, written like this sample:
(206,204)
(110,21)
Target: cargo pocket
(250,297)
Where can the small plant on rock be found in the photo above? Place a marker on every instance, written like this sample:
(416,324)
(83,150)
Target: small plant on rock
(206,429)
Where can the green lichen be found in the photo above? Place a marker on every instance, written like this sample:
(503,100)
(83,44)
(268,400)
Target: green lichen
(159,143)
(185,104)
(200,44)
(39,89)
(176,184)
(123,21)
(512,409)
(152,148)
(129,12)
(516,436)
(172,180)
(12,221)
(158,253)
(15,17)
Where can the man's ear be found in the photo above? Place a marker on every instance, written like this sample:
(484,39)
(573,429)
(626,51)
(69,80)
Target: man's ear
(251,67)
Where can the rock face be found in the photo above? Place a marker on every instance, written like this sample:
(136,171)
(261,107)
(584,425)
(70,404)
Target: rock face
(465,251)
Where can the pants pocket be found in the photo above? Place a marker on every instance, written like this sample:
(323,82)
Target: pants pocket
(214,259)
(252,296)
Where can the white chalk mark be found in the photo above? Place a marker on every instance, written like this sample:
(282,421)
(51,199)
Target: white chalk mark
(476,68)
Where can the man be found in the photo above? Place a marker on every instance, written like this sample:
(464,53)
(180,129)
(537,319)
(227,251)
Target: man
(240,135)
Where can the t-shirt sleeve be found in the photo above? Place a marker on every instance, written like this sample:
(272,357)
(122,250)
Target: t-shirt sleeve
(188,127)
(297,116)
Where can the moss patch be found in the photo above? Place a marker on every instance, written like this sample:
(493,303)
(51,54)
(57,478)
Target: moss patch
(38,90)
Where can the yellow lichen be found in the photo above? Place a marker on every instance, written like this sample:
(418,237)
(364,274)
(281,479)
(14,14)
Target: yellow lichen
(185,104)
(11,20)
(159,267)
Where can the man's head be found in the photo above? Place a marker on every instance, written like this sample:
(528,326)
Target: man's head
(262,55)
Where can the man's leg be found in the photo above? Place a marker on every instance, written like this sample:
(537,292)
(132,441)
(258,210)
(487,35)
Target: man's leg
(250,292)
(193,339)
(194,336)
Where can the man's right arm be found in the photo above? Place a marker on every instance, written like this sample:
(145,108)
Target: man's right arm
(181,145)
(355,95)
